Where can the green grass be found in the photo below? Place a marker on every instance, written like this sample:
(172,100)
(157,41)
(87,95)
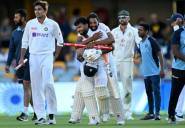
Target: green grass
(62,122)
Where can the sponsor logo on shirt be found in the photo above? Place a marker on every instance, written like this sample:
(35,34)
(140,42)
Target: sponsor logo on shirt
(34,34)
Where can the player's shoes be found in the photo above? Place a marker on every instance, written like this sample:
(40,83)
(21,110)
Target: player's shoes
(73,121)
(148,117)
(120,120)
(105,117)
(179,118)
(172,120)
(128,116)
(41,121)
(157,117)
(93,121)
(22,117)
(51,119)
(34,118)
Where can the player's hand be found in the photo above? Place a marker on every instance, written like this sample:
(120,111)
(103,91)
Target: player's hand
(56,56)
(90,45)
(97,35)
(137,58)
(7,69)
(162,75)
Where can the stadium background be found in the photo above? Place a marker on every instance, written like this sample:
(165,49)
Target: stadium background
(66,68)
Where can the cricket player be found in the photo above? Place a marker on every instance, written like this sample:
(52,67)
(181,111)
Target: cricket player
(23,73)
(84,92)
(125,37)
(101,80)
(40,34)
(178,68)
(176,24)
(107,39)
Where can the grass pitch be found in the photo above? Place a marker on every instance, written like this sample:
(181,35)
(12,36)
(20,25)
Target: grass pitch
(62,122)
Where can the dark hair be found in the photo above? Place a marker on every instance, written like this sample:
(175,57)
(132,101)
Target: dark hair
(93,15)
(145,26)
(22,12)
(80,20)
(43,4)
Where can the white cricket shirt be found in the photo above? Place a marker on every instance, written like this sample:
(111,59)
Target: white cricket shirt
(41,37)
(125,43)
(101,28)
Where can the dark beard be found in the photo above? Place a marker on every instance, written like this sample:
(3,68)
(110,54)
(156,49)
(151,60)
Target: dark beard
(18,24)
(94,29)
(124,23)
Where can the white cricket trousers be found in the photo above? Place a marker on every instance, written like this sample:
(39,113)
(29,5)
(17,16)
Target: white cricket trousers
(125,69)
(43,93)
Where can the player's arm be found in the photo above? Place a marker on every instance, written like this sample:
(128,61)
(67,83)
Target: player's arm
(161,64)
(177,53)
(157,50)
(137,55)
(23,52)
(59,38)
(107,42)
(79,51)
(95,36)
(176,45)
(10,55)
(25,43)
(136,36)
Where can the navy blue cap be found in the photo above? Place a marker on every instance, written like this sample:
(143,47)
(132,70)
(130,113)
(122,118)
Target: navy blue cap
(175,16)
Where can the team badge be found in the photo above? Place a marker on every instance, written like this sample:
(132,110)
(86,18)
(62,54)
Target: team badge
(45,29)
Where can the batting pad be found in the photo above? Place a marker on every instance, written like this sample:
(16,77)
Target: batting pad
(87,88)
(101,92)
(91,106)
(102,95)
(78,106)
(117,106)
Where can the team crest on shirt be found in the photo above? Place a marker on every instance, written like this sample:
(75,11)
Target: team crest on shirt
(45,29)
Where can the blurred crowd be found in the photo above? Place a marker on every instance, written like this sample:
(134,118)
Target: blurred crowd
(66,68)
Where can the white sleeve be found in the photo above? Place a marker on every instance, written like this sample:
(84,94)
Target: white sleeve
(105,27)
(58,35)
(112,32)
(25,38)
(136,36)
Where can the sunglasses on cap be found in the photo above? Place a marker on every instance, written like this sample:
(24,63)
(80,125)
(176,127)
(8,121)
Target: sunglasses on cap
(123,17)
